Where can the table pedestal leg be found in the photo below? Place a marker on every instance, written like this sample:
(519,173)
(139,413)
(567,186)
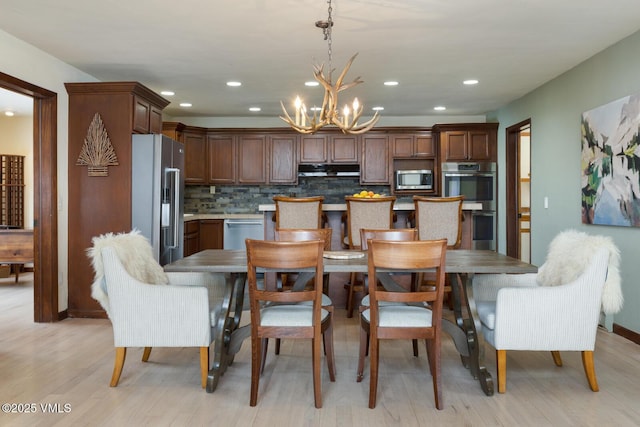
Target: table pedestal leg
(466,330)
(228,334)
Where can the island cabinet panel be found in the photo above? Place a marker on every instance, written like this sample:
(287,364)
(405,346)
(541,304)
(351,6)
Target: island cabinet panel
(252,159)
(282,159)
(313,149)
(221,155)
(344,149)
(467,142)
(374,168)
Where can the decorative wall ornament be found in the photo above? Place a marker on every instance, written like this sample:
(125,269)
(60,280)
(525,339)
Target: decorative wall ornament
(611,163)
(97,152)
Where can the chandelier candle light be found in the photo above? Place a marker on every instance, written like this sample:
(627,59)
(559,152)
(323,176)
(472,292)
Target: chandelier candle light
(328,113)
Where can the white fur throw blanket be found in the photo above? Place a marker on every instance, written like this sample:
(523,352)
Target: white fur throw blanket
(569,254)
(135,253)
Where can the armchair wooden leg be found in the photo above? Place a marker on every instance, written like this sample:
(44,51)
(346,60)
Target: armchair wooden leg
(121,354)
(589,369)
(146,353)
(501,362)
(327,341)
(204,365)
(557,359)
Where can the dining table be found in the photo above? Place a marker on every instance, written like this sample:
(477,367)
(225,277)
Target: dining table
(461,265)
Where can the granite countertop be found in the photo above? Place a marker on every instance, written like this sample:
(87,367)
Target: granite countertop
(396,207)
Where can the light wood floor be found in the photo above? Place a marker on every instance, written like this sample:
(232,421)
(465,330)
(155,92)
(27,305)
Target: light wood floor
(70,362)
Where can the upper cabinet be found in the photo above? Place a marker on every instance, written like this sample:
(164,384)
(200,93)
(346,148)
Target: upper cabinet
(467,142)
(252,159)
(412,145)
(283,167)
(329,148)
(221,159)
(147,116)
(374,169)
(195,146)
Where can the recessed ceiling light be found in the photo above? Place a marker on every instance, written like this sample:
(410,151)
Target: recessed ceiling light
(378,108)
(255,109)
(311,83)
(234,84)
(315,109)
(440,108)
(9,113)
(185,104)
(391,83)
(167,93)
(470,82)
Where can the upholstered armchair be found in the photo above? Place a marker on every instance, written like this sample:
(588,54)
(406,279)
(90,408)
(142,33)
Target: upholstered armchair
(556,309)
(149,308)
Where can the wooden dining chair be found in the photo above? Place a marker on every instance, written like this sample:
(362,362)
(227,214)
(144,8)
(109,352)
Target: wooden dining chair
(301,282)
(285,314)
(420,314)
(299,212)
(369,213)
(439,218)
(393,235)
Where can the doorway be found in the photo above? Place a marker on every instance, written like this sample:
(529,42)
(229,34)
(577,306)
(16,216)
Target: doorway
(45,196)
(518,178)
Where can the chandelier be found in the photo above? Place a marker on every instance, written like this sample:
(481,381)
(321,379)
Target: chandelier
(328,114)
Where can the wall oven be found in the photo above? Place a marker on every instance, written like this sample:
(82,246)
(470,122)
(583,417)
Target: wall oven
(477,183)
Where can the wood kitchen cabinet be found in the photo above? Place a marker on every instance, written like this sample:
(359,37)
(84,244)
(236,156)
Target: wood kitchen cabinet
(467,142)
(191,237)
(329,147)
(283,167)
(344,149)
(413,145)
(374,169)
(221,159)
(147,117)
(195,147)
(211,234)
(101,204)
(251,159)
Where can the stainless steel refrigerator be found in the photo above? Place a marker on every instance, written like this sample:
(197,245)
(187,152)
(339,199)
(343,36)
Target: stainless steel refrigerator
(157,179)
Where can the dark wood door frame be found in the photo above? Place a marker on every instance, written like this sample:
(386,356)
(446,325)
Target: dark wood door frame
(512,155)
(45,195)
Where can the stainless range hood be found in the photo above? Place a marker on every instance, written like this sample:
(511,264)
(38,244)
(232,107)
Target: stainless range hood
(329,170)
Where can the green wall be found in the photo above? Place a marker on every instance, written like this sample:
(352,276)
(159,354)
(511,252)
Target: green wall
(555,109)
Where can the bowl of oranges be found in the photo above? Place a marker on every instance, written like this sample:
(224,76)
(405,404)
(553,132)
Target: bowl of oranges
(364,194)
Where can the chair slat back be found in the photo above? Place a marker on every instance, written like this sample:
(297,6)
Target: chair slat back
(439,218)
(411,256)
(392,234)
(303,234)
(272,256)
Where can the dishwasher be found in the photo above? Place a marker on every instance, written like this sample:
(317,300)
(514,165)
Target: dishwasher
(238,229)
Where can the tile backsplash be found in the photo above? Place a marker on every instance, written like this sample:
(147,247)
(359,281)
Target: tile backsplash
(238,199)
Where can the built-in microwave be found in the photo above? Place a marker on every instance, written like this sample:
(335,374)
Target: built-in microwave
(416,179)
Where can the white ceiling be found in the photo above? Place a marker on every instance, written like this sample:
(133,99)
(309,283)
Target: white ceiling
(194,47)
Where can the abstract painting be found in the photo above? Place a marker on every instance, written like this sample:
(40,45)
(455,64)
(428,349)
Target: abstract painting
(611,163)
